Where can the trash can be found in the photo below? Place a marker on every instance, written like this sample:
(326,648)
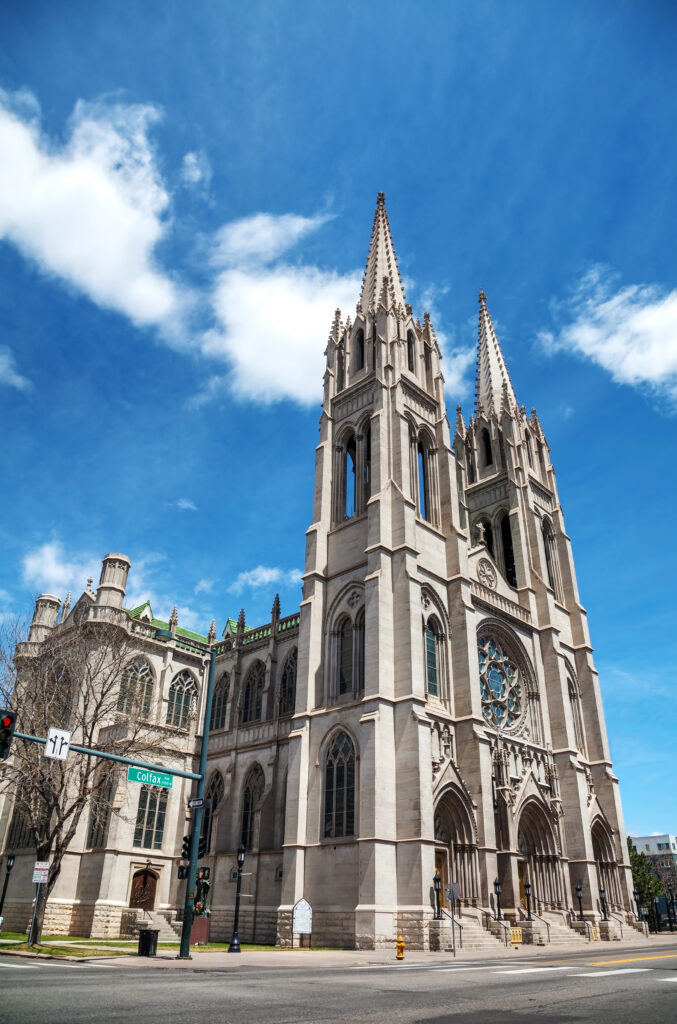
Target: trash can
(148,942)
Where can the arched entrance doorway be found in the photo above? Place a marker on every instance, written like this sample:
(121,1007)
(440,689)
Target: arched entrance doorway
(456,847)
(605,861)
(538,860)
(144,884)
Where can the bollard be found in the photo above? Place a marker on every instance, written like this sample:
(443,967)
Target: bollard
(400,948)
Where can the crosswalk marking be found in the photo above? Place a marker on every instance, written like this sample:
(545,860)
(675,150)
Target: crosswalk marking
(534,970)
(622,970)
(20,967)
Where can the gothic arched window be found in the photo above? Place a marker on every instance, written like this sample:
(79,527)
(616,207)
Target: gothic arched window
(345,656)
(288,684)
(470,464)
(530,452)
(252,700)
(358,360)
(339,788)
(550,557)
(100,813)
(214,795)
(486,448)
(575,701)
(423,468)
(350,477)
(150,818)
(340,370)
(508,550)
(251,800)
(503,698)
(423,489)
(136,687)
(411,352)
(220,703)
(358,638)
(431,682)
(367,465)
(182,695)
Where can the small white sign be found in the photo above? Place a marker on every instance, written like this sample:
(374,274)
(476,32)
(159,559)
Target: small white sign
(302,922)
(58,743)
(41,872)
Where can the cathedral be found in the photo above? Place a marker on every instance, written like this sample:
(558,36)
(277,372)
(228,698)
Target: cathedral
(429,719)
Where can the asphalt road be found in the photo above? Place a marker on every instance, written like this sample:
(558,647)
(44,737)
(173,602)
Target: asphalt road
(631,986)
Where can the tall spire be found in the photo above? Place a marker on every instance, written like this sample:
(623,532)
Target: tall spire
(493,387)
(382,274)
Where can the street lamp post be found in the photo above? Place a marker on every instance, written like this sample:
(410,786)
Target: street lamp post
(437,886)
(9,864)
(602,896)
(670,904)
(527,893)
(497,890)
(656,914)
(636,898)
(235,941)
(579,896)
(191,877)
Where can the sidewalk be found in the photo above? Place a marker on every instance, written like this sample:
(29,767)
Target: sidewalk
(665,945)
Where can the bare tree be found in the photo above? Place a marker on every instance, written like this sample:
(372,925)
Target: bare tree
(84,677)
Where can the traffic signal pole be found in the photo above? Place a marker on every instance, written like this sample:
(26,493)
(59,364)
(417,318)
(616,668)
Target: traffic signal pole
(188,907)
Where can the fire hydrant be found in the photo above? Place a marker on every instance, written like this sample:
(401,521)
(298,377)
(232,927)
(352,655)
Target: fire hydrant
(400,948)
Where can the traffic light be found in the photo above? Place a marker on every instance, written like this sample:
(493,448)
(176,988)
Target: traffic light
(185,849)
(7,725)
(202,846)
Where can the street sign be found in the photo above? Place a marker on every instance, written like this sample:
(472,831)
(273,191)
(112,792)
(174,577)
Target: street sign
(40,872)
(199,801)
(148,778)
(453,892)
(58,742)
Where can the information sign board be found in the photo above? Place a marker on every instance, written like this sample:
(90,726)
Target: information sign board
(302,921)
(149,778)
(40,872)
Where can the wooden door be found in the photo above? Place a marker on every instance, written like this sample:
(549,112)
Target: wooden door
(144,884)
(442,869)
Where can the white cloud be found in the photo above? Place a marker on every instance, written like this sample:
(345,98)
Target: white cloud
(186,505)
(49,568)
(196,169)
(262,576)
(204,586)
(631,332)
(261,238)
(90,211)
(9,374)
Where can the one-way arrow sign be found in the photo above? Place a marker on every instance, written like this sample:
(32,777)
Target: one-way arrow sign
(199,801)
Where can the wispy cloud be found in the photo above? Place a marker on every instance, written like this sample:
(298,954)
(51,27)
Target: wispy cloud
(9,374)
(263,576)
(629,331)
(186,505)
(261,238)
(196,169)
(204,586)
(90,211)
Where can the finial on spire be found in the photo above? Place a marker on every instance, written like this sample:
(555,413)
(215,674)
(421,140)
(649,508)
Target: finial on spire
(211,635)
(275,611)
(66,607)
(381,262)
(493,387)
(240,623)
(90,580)
(174,619)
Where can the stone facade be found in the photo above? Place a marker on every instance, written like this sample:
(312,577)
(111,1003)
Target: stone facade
(432,707)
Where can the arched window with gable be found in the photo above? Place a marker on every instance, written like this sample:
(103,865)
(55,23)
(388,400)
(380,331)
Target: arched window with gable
(252,793)
(252,698)
(423,469)
(214,795)
(220,703)
(136,687)
(411,352)
(339,788)
(358,356)
(182,697)
(288,684)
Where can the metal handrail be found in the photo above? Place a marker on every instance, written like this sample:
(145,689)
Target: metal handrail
(537,916)
(454,922)
(616,918)
(504,926)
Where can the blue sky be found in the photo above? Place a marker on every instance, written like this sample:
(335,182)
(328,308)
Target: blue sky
(186,194)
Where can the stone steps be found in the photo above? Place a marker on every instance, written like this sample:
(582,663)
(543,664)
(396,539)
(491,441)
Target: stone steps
(167,931)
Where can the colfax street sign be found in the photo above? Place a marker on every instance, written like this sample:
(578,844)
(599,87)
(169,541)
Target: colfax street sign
(149,778)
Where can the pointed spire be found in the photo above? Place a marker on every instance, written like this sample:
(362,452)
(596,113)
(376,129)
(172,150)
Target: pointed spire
(211,635)
(240,623)
(493,386)
(460,423)
(65,611)
(275,612)
(381,263)
(174,619)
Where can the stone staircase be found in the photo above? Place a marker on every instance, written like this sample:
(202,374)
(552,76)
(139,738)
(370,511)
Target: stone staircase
(469,932)
(169,930)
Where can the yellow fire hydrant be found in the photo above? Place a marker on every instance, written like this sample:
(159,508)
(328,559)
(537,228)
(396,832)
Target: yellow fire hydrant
(400,948)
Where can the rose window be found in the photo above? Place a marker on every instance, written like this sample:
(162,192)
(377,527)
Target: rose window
(500,685)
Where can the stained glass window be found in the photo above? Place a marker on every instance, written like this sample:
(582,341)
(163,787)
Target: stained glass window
(339,791)
(150,818)
(253,791)
(136,687)
(182,693)
(252,701)
(214,795)
(500,684)
(431,661)
(219,704)
(288,686)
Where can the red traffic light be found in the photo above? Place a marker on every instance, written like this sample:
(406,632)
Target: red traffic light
(7,723)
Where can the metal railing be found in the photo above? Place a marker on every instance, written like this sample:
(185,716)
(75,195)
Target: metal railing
(490,918)
(538,917)
(455,923)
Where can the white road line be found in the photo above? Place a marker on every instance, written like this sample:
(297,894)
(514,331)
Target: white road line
(536,970)
(20,967)
(666,979)
(621,970)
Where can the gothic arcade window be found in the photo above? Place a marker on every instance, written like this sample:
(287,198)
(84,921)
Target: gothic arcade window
(411,352)
(508,550)
(530,452)
(575,701)
(431,674)
(500,684)
(220,703)
(358,359)
(251,798)
(214,795)
(182,695)
(470,464)
(340,370)
(486,448)
(550,557)
(136,687)
(288,684)
(350,477)
(150,818)
(99,815)
(345,657)
(252,698)
(339,788)
(423,489)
